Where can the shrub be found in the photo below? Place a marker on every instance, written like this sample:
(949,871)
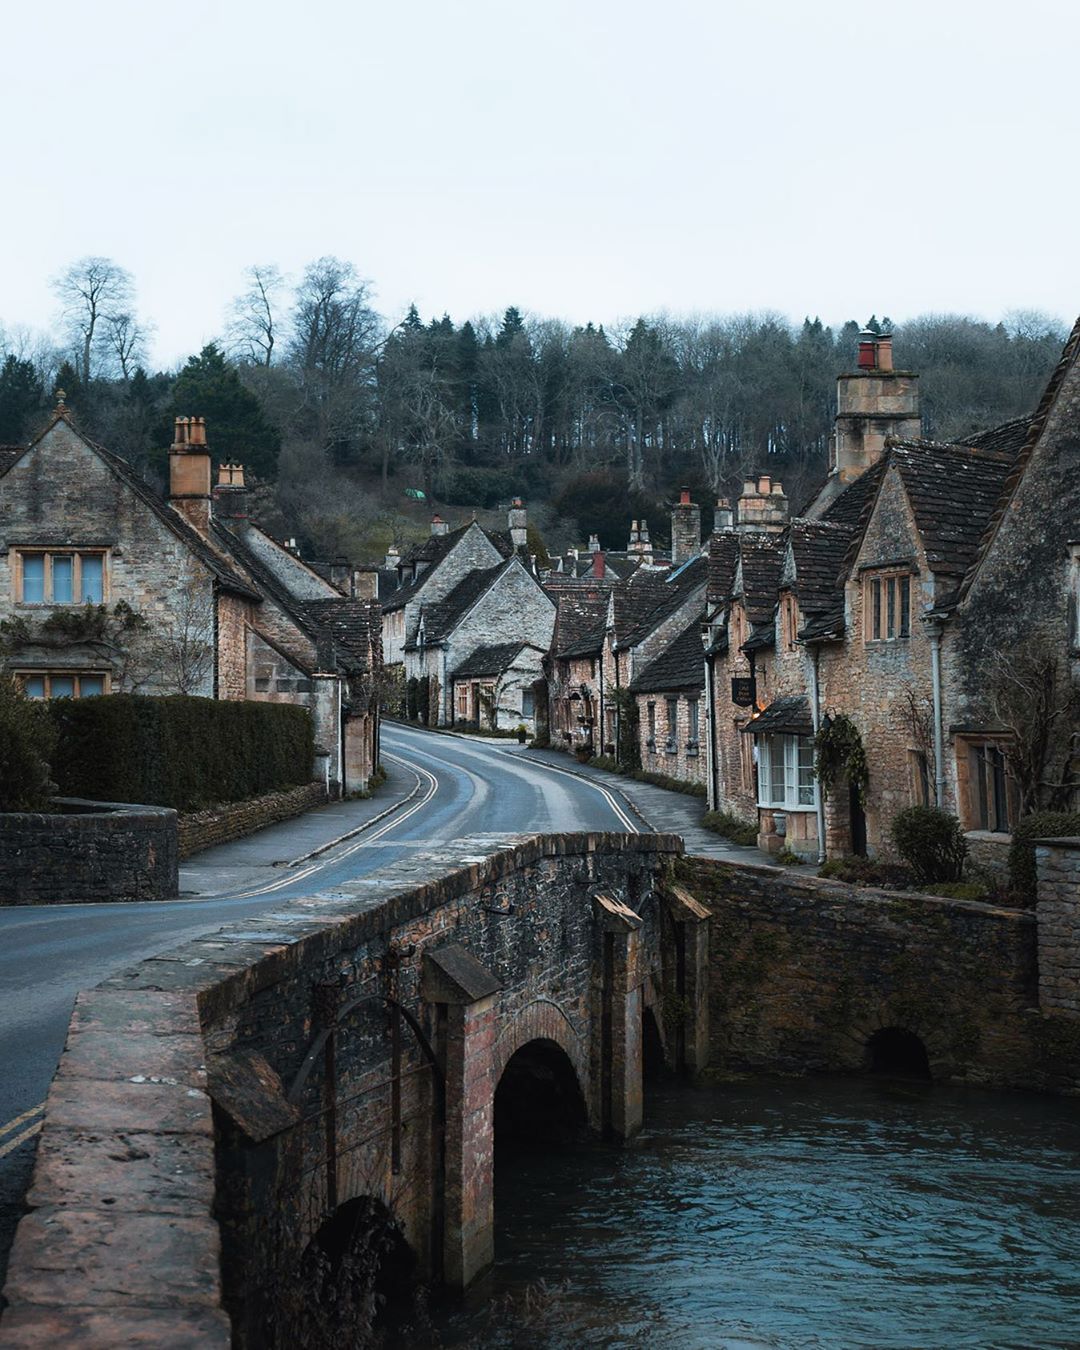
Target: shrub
(931,842)
(739,831)
(27,741)
(787,857)
(1040,825)
(859,871)
(183,752)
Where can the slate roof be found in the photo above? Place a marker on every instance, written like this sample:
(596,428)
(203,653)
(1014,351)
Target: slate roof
(761,556)
(1007,439)
(490,660)
(819,548)
(579,624)
(856,499)
(825,627)
(783,716)
(442,617)
(354,627)
(674,588)
(634,600)
(679,666)
(723,560)
(431,551)
(953,491)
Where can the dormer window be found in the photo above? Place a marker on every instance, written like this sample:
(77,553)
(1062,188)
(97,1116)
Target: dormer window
(789,621)
(886,606)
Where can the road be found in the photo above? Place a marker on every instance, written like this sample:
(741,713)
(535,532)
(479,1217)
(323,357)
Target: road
(48,953)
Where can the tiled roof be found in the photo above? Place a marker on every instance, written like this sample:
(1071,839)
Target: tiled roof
(1007,439)
(489,660)
(679,666)
(675,588)
(354,627)
(953,492)
(825,627)
(849,507)
(761,555)
(432,551)
(635,599)
(819,548)
(579,624)
(723,559)
(783,716)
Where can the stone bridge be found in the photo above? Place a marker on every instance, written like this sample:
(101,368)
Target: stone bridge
(362,1049)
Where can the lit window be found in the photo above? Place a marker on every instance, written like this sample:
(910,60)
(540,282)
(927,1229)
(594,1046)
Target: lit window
(786,772)
(63,684)
(887,606)
(45,578)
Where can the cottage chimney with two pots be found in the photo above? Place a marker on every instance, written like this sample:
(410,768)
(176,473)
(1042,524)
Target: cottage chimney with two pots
(230,495)
(762,505)
(873,402)
(189,472)
(518,524)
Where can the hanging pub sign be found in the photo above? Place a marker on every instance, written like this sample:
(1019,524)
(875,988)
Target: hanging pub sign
(744,691)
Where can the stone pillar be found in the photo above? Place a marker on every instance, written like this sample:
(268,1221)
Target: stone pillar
(1058,918)
(466,994)
(692,979)
(622,976)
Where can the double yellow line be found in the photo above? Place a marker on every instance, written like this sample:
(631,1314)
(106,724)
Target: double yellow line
(25,1134)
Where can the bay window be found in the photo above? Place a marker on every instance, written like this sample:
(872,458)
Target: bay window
(786,772)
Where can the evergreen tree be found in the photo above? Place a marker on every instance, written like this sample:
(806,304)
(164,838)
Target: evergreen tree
(21,398)
(237,431)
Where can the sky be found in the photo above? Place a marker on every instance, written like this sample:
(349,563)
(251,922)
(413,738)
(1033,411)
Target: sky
(585,159)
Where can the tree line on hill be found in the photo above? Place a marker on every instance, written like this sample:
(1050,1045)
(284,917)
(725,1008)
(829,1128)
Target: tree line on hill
(336,411)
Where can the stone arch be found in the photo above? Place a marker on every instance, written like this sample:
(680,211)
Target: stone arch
(541,1020)
(934,1036)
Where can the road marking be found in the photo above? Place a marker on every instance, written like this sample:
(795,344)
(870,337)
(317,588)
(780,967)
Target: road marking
(21,1139)
(631,828)
(294,877)
(18,1120)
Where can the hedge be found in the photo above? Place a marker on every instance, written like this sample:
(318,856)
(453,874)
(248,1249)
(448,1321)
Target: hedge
(179,751)
(1023,877)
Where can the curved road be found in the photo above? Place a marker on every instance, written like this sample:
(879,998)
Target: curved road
(49,953)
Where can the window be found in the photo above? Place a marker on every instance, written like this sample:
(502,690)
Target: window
(463,701)
(63,684)
(650,712)
(786,772)
(528,705)
(672,725)
(989,794)
(60,578)
(887,606)
(692,722)
(739,632)
(922,788)
(789,621)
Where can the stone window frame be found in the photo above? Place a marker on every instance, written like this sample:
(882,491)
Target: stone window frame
(650,724)
(671,712)
(796,755)
(986,793)
(77,554)
(462,688)
(887,596)
(693,725)
(23,674)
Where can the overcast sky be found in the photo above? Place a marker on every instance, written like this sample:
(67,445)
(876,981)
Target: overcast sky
(582,158)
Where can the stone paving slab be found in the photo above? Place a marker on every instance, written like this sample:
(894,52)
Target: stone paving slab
(136,1328)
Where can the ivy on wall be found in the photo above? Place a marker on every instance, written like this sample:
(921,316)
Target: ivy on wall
(839,754)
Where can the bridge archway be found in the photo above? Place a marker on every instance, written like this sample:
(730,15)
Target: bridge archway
(898,1052)
(539,1102)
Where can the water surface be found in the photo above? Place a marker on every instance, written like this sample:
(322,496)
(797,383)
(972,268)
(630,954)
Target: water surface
(790,1213)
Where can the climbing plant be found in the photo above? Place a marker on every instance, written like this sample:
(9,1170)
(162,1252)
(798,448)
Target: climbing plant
(839,754)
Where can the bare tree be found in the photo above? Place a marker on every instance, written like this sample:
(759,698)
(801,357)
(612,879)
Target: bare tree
(91,292)
(1034,698)
(125,338)
(253,329)
(184,651)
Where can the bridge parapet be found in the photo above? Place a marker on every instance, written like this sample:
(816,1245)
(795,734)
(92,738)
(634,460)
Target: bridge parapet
(351,1044)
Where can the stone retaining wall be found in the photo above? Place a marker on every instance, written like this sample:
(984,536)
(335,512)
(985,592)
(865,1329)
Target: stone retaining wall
(804,971)
(1058,908)
(222,824)
(89,853)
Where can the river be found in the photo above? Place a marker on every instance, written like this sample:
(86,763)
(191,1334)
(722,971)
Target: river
(814,1212)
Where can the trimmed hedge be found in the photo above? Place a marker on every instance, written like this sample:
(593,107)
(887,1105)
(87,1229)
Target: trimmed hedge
(179,751)
(931,842)
(27,741)
(1023,878)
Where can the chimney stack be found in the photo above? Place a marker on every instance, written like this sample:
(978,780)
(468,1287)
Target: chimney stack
(599,567)
(685,529)
(763,505)
(645,544)
(723,516)
(230,495)
(439,526)
(873,402)
(189,472)
(594,543)
(517,523)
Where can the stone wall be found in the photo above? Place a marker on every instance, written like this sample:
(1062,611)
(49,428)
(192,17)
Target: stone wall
(92,852)
(674,754)
(222,824)
(1058,909)
(804,971)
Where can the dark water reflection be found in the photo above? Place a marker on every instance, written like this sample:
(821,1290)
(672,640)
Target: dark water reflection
(814,1212)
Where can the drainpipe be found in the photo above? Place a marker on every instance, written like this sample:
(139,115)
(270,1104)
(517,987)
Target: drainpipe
(711,764)
(815,712)
(939,737)
(618,702)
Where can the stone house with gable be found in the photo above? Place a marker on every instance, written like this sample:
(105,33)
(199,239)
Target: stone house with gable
(107,587)
(671,713)
(920,568)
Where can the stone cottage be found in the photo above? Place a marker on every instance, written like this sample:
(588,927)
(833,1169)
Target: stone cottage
(107,587)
